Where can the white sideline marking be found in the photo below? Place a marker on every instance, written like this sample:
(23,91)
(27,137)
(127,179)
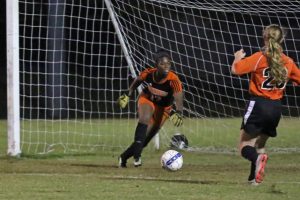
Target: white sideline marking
(130,177)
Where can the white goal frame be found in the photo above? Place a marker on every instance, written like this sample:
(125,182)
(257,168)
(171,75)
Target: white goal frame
(13,83)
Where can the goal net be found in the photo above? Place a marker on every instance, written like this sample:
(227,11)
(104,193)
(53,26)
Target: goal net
(73,67)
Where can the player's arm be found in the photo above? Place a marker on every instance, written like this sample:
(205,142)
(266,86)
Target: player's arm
(242,65)
(177,116)
(295,73)
(238,56)
(124,99)
(134,85)
(178,98)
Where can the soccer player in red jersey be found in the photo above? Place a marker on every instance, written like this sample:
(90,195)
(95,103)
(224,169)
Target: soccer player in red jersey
(162,88)
(270,70)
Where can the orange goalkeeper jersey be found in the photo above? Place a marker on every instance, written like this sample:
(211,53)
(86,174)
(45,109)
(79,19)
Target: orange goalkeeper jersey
(160,93)
(261,83)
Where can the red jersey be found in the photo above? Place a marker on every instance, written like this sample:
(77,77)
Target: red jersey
(160,93)
(261,83)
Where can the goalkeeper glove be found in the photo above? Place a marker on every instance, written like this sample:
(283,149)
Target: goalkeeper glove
(177,119)
(123,100)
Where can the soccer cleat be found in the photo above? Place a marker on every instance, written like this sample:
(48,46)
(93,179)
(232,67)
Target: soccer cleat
(260,167)
(253,182)
(122,163)
(137,162)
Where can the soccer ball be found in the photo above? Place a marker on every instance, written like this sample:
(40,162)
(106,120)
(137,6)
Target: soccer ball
(171,160)
(179,141)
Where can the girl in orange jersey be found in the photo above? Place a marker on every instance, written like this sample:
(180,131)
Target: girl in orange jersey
(162,88)
(270,70)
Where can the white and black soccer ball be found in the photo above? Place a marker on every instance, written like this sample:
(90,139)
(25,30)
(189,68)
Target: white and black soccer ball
(172,160)
(179,141)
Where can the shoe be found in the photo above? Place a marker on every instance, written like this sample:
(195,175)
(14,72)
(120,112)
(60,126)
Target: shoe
(260,167)
(137,162)
(122,163)
(253,182)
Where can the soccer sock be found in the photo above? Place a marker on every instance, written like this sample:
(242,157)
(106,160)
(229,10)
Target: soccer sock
(139,139)
(249,153)
(252,172)
(128,152)
(149,136)
(135,149)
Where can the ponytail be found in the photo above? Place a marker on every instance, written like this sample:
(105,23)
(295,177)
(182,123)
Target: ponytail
(274,36)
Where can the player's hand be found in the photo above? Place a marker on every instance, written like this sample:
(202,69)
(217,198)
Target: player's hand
(240,54)
(177,119)
(123,101)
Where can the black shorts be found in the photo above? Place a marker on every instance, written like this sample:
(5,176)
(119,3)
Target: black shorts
(262,116)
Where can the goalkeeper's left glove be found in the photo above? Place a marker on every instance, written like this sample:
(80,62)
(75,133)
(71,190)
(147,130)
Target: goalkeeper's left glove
(177,118)
(123,100)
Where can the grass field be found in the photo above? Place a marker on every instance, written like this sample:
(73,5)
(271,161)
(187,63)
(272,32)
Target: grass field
(94,175)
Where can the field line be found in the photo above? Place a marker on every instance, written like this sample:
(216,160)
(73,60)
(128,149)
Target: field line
(146,178)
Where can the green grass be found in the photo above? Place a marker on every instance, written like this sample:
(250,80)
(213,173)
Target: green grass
(94,175)
(72,136)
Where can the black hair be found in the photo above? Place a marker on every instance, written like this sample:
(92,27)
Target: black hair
(161,54)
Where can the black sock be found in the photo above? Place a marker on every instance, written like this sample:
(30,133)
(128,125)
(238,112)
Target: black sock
(135,149)
(249,153)
(139,139)
(149,136)
(252,172)
(128,152)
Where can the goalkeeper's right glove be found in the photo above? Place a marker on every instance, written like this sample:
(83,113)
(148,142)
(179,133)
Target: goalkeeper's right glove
(123,100)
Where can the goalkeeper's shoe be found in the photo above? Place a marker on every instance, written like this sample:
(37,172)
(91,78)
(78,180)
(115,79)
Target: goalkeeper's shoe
(253,182)
(260,167)
(122,162)
(137,162)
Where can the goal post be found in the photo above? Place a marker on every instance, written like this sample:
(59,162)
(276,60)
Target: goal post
(13,94)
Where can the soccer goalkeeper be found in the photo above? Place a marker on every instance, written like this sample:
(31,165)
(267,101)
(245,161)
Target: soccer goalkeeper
(162,88)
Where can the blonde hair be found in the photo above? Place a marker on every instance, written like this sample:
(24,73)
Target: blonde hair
(273,36)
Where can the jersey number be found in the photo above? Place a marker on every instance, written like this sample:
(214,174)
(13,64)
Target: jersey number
(269,84)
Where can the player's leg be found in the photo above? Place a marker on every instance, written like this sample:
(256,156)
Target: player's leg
(248,151)
(246,146)
(251,127)
(261,143)
(145,112)
(159,117)
(271,114)
(258,159)
(259,170)
(151,132)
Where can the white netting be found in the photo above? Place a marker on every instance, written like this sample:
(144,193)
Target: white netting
(202,37)
(73,68)
(72,71)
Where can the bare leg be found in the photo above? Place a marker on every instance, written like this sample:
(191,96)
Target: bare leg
(246,140)
(261,143)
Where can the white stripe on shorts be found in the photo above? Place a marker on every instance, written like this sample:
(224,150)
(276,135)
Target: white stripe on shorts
(249,110)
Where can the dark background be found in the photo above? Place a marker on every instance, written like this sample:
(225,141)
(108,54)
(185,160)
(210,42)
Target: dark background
(3,107)
(73,74)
